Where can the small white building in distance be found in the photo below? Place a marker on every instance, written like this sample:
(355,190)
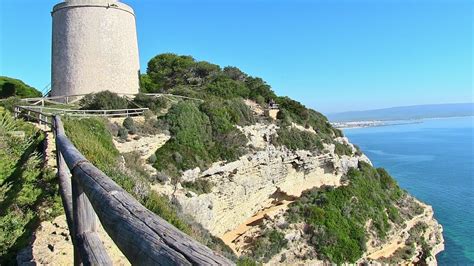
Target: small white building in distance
(94,48)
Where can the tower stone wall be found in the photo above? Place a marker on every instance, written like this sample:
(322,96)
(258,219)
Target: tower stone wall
(94,48)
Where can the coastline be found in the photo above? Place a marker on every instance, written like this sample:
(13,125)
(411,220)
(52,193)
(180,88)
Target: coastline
(382,123)
(425,178)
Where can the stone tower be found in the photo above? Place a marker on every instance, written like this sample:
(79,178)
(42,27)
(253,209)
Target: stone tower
(94,48)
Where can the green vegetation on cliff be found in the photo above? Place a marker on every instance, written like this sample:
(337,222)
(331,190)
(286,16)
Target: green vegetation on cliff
(205,132)
(337,219)
(337,216)
(202,134)
(28,190)
(92,138)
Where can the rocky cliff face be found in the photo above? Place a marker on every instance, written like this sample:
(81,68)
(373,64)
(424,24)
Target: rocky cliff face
(253,193)
(256,190)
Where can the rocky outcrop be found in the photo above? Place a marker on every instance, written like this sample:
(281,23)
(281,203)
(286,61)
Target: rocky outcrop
(253,193)
(256,181)
(398,239)
(300,252)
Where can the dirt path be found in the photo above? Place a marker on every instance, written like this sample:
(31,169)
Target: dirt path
(399,240)
(230,237)
(52,245)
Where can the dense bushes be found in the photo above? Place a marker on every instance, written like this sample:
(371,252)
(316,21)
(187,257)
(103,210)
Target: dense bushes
(107,100)
(296,139)
(155,104)
(337,216)
(90,136)
(169,70)
(227,88)
(342,149)
(10,87)
(293,111)
(183,75)
(202,134)
(270,243)
(10,103)
(104,100)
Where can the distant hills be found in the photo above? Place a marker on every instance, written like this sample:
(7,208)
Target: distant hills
(14,87)
(406,112)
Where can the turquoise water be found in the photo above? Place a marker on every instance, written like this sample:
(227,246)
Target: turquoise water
(434,161)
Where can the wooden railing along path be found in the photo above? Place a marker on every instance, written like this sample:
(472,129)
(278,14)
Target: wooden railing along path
(70,99)
(142,236)
(40,112)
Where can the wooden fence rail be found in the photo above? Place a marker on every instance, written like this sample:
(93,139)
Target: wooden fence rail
(49,111)
(142,236)
(70,99)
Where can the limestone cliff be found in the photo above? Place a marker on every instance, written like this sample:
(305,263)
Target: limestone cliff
(253,193)
(256,181)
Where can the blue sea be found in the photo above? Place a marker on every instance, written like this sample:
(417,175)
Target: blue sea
(434,161)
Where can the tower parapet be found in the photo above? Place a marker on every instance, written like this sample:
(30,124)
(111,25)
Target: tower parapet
(94,48)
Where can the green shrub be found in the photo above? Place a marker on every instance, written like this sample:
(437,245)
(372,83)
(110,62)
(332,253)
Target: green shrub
(295,139)
(246,261)
(28,190)
(337,216)
(162,207)
(91,137)
(260,91)
(169,70)
(147,85)
(358,150)
(155,104)
(122,133)
(10,103)
(134,162)
(191,136)
(234,73)
(293,111)
(128,123)
(342,149)
(227,88)
(270,243)
(152,159)
(133,130)
(201,135)
(104,100)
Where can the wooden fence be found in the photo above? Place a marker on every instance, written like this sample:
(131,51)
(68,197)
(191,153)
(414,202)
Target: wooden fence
(70,99)
(40,112)
(142,236)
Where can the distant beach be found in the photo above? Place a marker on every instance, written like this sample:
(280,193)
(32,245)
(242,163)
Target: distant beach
(382,123)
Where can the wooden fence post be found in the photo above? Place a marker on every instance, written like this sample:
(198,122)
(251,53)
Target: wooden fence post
(90,247)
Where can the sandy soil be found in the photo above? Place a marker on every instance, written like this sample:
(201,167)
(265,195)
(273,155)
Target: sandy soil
(230,237)
(398,240)
(52,245)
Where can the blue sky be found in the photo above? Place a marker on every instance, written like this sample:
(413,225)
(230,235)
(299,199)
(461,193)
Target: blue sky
(332,55)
